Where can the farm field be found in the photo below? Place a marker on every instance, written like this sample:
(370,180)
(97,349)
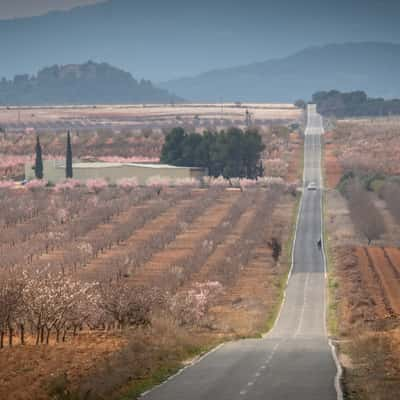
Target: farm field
(142,116)
(127,143)
(365,254)
(202,265)
(364,143)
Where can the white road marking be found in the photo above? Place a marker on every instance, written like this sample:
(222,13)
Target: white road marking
(303,305)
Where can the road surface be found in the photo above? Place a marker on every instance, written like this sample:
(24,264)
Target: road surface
(295,360)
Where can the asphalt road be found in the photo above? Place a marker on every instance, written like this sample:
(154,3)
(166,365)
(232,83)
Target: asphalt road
(295,360)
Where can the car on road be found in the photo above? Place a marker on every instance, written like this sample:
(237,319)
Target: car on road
(312,186)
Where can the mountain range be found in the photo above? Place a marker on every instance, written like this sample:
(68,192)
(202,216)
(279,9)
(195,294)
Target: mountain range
(372,67)
(164,40)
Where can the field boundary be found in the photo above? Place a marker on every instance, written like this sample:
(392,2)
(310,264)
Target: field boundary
(334,350)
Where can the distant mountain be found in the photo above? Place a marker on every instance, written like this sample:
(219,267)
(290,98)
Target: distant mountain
(163,40)
(372,67)
(88,83)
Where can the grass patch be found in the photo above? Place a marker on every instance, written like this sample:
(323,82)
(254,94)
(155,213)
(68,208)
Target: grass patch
(333,283)
(169,366)
(332,315)
(281,282)
(288,254)
(138,386)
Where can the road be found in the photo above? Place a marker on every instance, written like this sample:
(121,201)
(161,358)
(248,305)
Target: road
(294,360)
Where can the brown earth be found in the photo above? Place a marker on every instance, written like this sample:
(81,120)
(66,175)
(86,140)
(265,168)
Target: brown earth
(296,158)
(369,318)
(154,270)
(25,371)
(250,305)
(332,167)
(248,302)
(365,284)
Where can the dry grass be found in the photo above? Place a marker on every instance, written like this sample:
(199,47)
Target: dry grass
(119,116)
(369,144)
(25,371)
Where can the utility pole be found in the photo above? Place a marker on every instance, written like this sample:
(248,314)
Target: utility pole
(247,118)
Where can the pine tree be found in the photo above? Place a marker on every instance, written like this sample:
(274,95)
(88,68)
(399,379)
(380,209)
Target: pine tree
(38,161)
(68,164)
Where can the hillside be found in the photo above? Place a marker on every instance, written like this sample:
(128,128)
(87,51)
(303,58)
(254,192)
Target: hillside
(372,67)
(354,104)
(162,40)
(88,83)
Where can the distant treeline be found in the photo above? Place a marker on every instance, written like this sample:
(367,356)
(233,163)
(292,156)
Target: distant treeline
(353,104)
(89,83)
(232,153)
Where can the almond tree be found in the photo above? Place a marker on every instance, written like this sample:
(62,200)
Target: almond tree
(54,302)
(366,217)
(124,304)
(11,289)
(191,306)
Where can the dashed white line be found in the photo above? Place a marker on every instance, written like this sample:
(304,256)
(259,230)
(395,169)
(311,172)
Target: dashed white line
(303,306)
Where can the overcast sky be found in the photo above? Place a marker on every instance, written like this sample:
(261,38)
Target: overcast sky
(26,8)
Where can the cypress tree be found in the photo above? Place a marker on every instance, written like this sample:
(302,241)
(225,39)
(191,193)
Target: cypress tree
(38,161)
(68,163)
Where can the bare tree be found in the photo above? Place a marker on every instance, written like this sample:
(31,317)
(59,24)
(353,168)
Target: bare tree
(366,217)
(390,192)
(10,307)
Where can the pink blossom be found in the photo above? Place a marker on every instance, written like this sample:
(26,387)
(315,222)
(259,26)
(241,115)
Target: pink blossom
(247,182)
(96,185)
(220,181)
(36,184)
(191,306)
(191,182)
(68,184)
(128,183)
(158,181)
(6,184)
(9,161)
(270,180)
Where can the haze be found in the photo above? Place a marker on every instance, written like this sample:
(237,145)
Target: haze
(29,8)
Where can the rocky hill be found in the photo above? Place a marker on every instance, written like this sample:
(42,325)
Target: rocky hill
(88,83)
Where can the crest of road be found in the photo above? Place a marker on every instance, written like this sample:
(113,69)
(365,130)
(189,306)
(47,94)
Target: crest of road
(295,360)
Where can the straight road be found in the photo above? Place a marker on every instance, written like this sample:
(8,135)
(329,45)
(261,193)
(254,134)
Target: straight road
(295,360)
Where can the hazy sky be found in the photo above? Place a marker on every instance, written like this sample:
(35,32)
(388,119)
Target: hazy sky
(26,8)
(166,39)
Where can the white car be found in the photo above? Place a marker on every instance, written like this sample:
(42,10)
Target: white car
(312,186)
